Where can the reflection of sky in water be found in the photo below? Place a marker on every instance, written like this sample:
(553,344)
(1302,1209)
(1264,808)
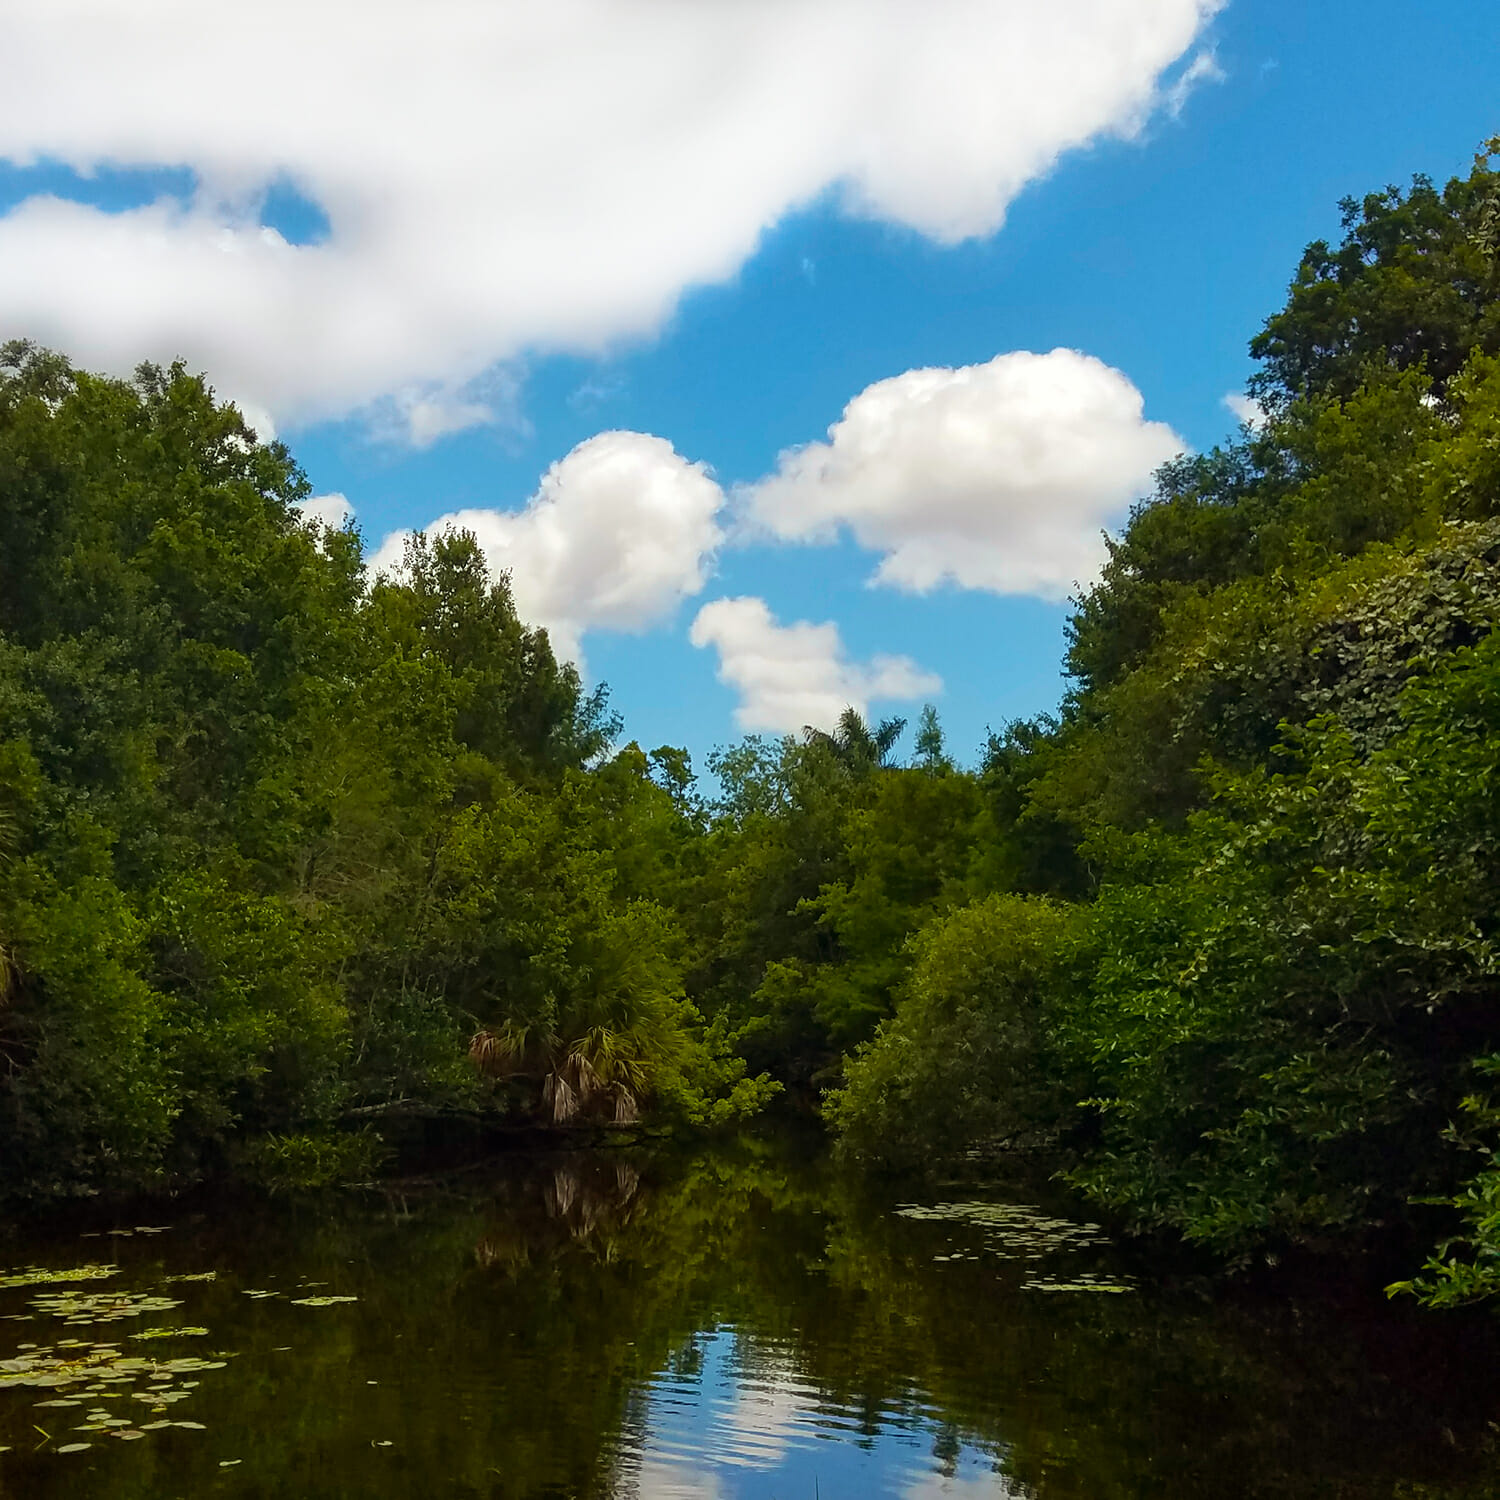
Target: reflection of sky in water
(732,1420)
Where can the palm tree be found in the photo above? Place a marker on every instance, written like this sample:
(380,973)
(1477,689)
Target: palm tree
(601,1048)
(854,744)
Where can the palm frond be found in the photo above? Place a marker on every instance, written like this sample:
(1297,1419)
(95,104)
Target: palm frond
(559,1099)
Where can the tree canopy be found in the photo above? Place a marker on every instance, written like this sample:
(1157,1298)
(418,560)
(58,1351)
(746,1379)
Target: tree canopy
(284,845)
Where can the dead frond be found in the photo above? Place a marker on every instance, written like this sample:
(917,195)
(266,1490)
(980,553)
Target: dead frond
(559,1099)
(497,1054)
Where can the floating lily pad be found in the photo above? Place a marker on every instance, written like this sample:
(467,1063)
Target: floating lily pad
(38,1276)
(169,1333)
(73,1447)
(320,1301)
(101,1307)
(1017,1227)
(1078,1284)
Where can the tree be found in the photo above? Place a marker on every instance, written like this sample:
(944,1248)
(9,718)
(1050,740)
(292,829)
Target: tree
(1415,281)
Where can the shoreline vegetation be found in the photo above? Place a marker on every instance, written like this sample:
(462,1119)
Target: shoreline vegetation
(287,849)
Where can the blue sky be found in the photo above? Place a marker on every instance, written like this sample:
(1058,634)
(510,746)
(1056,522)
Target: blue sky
(730,301)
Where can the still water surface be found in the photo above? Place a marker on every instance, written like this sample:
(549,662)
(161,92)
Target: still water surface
(750,1324)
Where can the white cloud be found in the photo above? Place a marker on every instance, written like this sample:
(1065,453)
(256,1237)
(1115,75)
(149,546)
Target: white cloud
(997,476)
(1246,409)
(258,420)
(1204,68)
(504,177)
(331,510)
(596,390)
(419,415)
(617,534)
(791,675)
(428,418)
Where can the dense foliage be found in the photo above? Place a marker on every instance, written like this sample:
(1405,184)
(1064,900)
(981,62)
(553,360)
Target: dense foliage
(278,840)
(281,843)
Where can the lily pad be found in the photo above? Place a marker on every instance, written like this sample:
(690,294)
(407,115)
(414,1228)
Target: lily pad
(38,1276)
(1078,1284)
(1019,1228)
(320,1301)
(101,1307)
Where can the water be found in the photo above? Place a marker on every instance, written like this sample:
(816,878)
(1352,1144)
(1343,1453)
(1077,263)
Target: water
(747,1324)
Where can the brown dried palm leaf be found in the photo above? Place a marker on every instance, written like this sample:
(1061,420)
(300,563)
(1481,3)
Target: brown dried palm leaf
(581,1075)
(497,1054)
(559,1099)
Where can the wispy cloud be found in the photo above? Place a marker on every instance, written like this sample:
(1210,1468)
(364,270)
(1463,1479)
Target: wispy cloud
(1204,68)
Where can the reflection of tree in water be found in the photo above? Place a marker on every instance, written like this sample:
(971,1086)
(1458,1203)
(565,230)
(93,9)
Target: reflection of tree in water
(585,1198)
(1081,1397)
(514,1322)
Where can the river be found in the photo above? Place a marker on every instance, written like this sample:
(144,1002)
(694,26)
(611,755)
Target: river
(747,1323)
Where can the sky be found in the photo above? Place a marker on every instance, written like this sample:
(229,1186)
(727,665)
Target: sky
(786,354)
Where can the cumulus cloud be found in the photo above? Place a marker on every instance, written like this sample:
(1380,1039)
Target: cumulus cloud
(504,177)
(332,510)
(1246,409)
(616,535)
(997,476)
(791,675)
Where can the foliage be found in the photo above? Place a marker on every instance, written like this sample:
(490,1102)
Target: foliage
(276,837)
(964,1060)
(281,1162)
(282,844)
(1416,280)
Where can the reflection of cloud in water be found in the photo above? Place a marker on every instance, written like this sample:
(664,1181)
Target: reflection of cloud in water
(663,1479)
(730,1413)
(757,1429)
(961,1487)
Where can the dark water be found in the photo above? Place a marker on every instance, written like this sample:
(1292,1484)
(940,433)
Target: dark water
(749,1323)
